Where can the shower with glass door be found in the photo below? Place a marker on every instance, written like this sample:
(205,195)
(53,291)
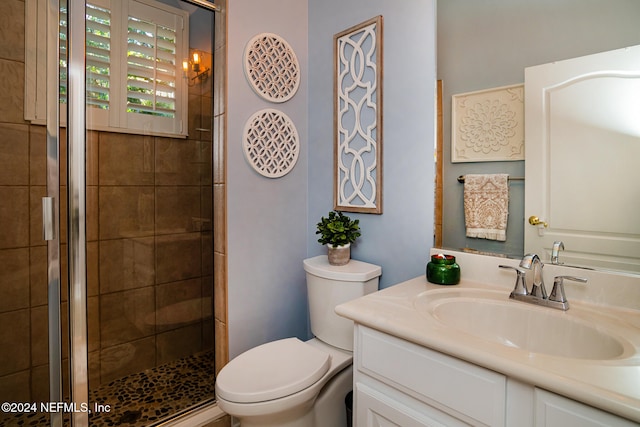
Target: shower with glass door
(106,207)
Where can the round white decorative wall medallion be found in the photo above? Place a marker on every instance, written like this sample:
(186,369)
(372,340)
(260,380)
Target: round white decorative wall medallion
(270,143)
(271,67)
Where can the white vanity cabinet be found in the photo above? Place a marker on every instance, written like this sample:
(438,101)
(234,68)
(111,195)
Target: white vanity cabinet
(398,383)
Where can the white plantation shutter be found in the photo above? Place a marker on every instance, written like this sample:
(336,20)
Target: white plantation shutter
(63,54)
(98,56)
(134,51)
(98,61)
(154,68)
(151,69)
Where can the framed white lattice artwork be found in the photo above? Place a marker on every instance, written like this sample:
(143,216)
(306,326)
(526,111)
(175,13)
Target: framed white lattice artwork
(488,125)
(271,67)
(358,118)
(270,143)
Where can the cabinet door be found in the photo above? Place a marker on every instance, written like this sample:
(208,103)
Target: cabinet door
(552,410)
(377,409)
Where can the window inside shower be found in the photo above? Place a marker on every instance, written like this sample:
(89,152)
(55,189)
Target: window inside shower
(149,224)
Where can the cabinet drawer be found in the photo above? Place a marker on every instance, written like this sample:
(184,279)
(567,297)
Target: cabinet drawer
(456,387)
(552,410)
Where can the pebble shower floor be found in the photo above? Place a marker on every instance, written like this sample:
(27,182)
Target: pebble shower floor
(145,398)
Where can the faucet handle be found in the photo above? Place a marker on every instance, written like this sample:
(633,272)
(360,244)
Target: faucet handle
(557,293)
(520,287)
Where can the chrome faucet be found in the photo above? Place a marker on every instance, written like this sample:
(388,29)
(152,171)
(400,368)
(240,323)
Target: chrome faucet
(555,252)
(538,294)
(533,261)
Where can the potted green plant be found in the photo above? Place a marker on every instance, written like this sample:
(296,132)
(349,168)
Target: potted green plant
(338,231)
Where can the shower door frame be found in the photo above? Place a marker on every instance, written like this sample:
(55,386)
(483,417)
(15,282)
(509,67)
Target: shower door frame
(76,238)
(51,206)
(76,211)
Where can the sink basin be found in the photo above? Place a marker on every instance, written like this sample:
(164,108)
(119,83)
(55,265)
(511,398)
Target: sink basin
(492,316)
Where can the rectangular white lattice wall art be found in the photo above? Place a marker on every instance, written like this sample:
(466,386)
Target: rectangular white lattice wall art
(358,118)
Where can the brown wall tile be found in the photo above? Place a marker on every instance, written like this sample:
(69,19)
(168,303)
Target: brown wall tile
(39,336)
(14,282)
(12,88)
(37,155)
(14,154)
(126,159)
(38,275)
(179,161)
(15,338)
(179,343)
(126,316)
(126,212)
(177,209)
(33,216)
(12,30)
(178,304)
(178,257)
(15,387)
(126,264)
(14,217)
(93,323)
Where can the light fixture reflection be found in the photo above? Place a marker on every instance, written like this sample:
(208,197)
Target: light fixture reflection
(192,70)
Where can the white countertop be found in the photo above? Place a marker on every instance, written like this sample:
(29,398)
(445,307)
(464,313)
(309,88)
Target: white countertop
(611,385)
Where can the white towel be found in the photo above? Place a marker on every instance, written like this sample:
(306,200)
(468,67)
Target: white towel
(486,206)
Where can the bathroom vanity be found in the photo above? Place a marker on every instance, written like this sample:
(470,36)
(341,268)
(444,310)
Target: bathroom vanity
(429,355)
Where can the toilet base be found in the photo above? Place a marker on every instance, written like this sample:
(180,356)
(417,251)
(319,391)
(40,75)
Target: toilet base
(329,409)
(300,417)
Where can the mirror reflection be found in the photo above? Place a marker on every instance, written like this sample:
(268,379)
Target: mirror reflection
(583,141)
(483,46)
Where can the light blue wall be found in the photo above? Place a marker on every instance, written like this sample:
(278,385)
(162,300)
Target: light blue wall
(271,222)
(488,44)
(267,218)
(400,238)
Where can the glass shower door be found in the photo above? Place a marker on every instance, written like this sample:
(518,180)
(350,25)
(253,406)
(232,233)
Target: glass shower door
(106,246)
(149,201)
(32,305)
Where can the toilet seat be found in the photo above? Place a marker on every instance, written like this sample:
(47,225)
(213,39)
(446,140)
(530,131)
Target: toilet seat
(271,371)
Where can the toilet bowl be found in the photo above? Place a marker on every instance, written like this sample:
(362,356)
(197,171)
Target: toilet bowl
(294,383)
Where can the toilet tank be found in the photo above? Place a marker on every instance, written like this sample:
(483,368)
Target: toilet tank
(328,286)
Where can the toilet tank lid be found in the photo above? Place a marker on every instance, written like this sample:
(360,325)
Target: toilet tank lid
(353,271)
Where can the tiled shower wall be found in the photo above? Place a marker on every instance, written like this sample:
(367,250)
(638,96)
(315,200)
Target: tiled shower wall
(149,229)
(22,254)
(150,211)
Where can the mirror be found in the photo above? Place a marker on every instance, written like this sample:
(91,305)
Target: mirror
(582,146)
(514,31)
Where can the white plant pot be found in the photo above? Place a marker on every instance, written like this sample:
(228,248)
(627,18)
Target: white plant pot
(339,255)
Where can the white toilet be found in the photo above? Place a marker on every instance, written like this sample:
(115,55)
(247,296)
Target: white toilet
(293,383)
